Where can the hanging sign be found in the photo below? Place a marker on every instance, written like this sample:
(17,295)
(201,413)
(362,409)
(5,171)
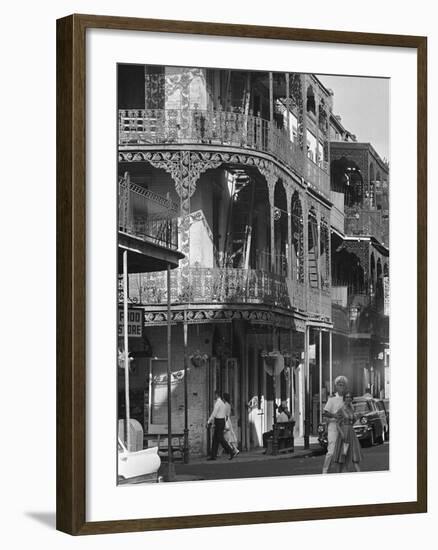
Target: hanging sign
(135,322)
(273,363)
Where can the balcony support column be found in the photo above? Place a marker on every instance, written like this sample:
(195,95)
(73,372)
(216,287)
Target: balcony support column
(306,388)
(286,75)
(274,377)
(317,162)
(329,252)
(291,376)
(271,112)
(327,143)
(331,360)
(289,192)
(303,115)
(271,97)
(306,249)
(170,464)
(186,406)
(126,351)
(320,375)
(185,168)
(271,179)
(272,232)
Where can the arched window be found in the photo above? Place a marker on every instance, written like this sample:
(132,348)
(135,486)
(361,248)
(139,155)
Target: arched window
(297,239)
(310,105)
(312,248)
(324,255)
(322,118)
(280,229)
(346,178)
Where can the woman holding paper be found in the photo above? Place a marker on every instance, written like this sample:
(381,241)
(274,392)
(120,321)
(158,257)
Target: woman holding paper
(347,451)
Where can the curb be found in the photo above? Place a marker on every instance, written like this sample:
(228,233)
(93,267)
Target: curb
(265,458)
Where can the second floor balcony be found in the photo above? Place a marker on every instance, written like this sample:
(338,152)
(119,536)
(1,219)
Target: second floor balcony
(364,222)
(147,215)
(147,229)
(318,177)
(227,286)
(356,310)
(201,285)
(337,211)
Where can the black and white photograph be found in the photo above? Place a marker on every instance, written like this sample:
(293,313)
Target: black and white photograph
(253,299)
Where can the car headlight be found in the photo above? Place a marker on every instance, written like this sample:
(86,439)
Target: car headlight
(363,420)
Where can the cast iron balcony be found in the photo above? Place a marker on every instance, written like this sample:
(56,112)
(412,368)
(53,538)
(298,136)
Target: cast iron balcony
(364,222)
(202,285)
(138,127)
(147,215)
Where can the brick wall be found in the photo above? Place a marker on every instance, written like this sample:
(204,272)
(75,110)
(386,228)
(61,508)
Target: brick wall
(199,338)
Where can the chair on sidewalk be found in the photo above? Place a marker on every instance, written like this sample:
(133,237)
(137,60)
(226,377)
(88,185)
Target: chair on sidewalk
(281,438)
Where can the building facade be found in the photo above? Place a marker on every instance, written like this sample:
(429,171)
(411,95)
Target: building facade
(360,261)
(246,156)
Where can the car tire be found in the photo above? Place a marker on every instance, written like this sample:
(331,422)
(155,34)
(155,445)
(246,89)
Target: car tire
(372,439)
(386,435)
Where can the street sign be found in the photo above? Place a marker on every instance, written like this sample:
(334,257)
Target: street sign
(135,323)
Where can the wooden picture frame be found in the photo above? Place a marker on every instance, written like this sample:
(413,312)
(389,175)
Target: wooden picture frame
(71,273)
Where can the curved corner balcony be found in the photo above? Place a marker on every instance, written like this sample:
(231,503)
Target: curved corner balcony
(226,286)
(210,127)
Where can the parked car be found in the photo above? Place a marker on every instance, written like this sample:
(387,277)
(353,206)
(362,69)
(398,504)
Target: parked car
(372,426)
(383,405)
(139,466)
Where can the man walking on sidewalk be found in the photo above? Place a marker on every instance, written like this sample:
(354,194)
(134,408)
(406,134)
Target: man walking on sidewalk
(218,418)
(334,403)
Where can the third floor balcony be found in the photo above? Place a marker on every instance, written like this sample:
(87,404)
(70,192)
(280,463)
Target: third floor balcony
(143,127)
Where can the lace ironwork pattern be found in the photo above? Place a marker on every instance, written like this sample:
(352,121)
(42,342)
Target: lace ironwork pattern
(218,286)
(211,127)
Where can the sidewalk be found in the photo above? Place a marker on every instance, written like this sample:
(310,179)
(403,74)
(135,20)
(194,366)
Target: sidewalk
(254,461)
(258,454)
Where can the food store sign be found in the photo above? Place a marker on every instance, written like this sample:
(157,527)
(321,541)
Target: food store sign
(135,323)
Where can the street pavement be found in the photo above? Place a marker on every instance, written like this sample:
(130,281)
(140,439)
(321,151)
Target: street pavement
(373,459)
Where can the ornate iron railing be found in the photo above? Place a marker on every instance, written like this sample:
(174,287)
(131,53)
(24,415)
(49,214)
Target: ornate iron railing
(318,176)
(201,285)
(340,318)
(319,302)
(215,127)
(147,215)
(364,222)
